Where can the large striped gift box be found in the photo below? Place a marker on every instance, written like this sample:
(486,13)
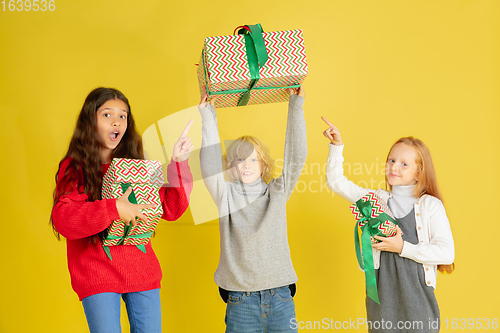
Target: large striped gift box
(252,67)
(146,178)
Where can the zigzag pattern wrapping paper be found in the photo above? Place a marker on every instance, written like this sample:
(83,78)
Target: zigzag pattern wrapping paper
(224,66)
(388,228)
(145,177)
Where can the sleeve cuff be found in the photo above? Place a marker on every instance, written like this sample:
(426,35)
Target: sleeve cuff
(182,165)
(335,151)
(296,101)
(410,251)
(111,209)
(176,170)
(207,112)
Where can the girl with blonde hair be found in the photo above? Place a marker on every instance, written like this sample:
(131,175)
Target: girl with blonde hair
(406,264)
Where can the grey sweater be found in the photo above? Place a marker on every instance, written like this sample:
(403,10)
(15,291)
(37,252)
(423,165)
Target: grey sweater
(254,251)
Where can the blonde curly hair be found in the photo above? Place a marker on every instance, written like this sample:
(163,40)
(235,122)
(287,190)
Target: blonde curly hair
(242,148)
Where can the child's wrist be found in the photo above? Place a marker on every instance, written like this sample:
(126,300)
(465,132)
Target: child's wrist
(179,159)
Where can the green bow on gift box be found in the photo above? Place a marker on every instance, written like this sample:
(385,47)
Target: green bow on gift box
(368,230)
(141,247)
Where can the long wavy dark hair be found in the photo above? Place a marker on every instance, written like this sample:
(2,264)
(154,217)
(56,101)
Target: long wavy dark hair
(85,168)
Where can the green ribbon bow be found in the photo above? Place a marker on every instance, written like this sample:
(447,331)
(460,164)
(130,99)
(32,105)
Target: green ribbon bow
(141,247)
(256,55)
(257,58)
(368,230)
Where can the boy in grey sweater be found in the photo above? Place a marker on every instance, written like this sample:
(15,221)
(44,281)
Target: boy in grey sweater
(255,268)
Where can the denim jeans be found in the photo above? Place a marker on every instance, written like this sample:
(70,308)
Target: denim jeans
(143,309)
(265,311)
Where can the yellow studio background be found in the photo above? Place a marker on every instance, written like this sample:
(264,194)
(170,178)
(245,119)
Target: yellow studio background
(379,70)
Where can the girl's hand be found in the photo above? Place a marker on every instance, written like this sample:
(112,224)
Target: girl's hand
(332,133)
(300,92)
(204,101)
(183,147)
(390,244)
(130,212)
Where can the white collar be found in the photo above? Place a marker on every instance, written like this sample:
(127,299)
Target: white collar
(401,190)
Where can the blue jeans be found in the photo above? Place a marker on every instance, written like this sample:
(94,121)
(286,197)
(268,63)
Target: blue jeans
(143,309)
(265,311)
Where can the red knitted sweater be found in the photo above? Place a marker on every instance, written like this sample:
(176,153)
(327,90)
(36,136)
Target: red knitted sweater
(131,270)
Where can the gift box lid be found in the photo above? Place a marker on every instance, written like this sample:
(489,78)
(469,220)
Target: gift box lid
(123,170)
(378,206)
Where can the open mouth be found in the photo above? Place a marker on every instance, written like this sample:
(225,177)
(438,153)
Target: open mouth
(114,136)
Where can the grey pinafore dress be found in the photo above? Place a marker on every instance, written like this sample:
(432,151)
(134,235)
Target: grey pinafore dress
(405,299)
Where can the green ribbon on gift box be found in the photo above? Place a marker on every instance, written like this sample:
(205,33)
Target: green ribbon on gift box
(257,58)
(256,55)
(132,199)
(368,230)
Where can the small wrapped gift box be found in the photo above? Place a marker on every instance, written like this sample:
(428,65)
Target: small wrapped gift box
(386,228)
(252,67)
(146,178)
(374,218)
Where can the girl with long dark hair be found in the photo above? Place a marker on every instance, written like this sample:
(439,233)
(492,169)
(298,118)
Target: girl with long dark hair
(105,129)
